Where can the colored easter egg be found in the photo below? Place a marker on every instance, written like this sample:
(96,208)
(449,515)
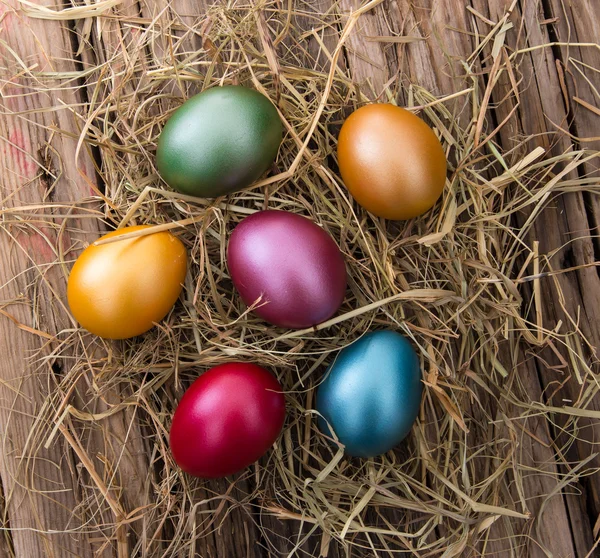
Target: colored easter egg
(227,419)
(371,394)
(291,268)
(122,289)
(391,161)
(219,141)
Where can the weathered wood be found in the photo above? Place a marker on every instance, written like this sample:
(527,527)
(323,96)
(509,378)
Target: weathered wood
(231,532)
(382,70)
(579,23)
(429,63)
(544,537)
(99,45)
(38,166)
(541,102)
(40,512)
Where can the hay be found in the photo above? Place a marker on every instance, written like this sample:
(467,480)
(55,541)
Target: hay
(463,282)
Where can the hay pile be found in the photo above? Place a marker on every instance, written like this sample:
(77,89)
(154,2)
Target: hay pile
(462,282)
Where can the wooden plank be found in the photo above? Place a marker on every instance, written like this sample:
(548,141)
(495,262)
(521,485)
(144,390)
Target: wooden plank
(40,165)
(230,529)
(429,63)
(581,290)
(119,438)
(377,65)
(40,486)
(541,102)
(536,470)
(577,24)
(124,435)
(383,69)
(578,67)
(569,23)
(533,455)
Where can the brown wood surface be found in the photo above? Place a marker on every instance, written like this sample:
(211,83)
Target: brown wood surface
(39,165)
(569,214)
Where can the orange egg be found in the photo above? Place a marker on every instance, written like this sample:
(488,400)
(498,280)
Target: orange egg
(119,290)
(391,161)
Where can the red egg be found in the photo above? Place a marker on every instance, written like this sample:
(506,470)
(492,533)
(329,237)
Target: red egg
(227,419)
(289,266)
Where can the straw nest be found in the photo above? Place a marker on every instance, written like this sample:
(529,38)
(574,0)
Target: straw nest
(462,282)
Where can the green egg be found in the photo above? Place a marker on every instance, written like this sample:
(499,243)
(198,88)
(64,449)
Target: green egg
(219,141)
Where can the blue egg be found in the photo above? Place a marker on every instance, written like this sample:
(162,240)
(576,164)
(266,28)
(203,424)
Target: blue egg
(371,393)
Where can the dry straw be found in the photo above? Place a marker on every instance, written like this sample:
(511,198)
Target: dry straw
(462,282)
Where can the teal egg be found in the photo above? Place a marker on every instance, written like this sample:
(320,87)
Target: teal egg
(371,393)
(219,141)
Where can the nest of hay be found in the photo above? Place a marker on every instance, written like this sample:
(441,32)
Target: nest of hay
(462,282)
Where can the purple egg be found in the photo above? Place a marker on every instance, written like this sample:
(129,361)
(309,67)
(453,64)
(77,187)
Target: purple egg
(290,264)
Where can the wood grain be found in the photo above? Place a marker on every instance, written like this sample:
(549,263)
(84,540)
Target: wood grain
(541,104)
(559,91)
(579,23)
(230,530)
(544,538)
(38,519)
(39,165)
(580,290)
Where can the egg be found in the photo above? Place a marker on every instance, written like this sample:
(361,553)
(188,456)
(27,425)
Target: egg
(122,289)
(391,161)
(219,141)
(289,267)
(371,394)
(227,419)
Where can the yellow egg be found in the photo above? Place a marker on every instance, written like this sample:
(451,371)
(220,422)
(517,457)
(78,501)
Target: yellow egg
(121,289)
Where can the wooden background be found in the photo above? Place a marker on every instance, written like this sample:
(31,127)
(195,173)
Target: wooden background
(38,165)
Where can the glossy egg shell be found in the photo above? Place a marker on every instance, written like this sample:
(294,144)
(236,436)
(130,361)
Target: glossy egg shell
(228,418)
(391,161)
(371,394)
(293,266)
(121,289)
(219,141)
